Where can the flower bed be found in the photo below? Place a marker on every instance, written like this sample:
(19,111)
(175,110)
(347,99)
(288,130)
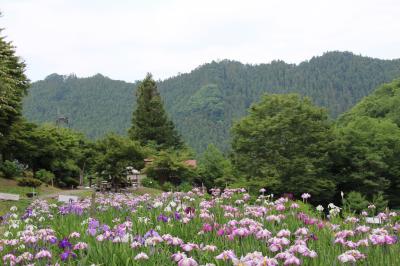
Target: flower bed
(225,228)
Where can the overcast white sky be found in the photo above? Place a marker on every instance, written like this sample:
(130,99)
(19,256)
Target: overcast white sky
(126,39)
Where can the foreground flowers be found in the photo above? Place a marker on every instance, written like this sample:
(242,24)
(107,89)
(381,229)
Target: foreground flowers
(223,228)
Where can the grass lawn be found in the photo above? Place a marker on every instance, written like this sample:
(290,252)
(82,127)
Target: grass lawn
(144,190)
(10,186)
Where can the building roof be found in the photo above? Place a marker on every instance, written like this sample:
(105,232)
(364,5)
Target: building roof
(191,163)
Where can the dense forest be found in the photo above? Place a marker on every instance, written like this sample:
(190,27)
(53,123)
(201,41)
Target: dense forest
(204,103)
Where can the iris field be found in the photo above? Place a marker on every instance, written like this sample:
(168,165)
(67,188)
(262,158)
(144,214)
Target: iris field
(227,227)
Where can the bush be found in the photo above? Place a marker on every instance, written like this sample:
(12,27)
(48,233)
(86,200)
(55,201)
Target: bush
(168,186)
(379,201)
(184,187)
(355,202)
(150,183)
(11,169)
(28,174)
(70,182)
(44,176)
(29,182)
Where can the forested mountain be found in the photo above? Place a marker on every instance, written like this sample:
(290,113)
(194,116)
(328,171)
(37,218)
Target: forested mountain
(204,103)
(368,144)
(95,105)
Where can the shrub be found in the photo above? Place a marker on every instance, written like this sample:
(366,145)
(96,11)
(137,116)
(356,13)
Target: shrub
(28,174)
(149,182)
(355,202)
(29,182)
(44,176)
(70,181)
(379,201)
(10,169)
(168,186)
(185,187)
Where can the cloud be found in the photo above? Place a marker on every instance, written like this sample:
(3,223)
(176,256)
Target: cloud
(126,39)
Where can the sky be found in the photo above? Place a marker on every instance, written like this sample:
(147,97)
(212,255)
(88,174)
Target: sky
(126,39)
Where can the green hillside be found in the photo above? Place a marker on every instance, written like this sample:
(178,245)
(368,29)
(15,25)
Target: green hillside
(204,103)
(368,144)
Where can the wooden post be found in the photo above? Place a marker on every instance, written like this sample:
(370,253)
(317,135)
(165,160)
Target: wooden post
(93,204)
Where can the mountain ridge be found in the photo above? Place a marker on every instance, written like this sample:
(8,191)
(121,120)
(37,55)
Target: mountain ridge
(204,102)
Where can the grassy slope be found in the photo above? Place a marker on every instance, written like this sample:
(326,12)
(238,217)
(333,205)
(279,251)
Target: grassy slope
(10,186)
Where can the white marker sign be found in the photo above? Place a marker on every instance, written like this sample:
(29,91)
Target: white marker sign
(372,220)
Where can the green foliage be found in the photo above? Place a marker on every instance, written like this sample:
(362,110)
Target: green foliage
(149,182)
(44,176)
(355,202)
(382,103)
(61,151)
(169,166)
(168,186)
(114,153)
(11,169)
(69,182)
(184,187)
(204,103)
(367,146)
(150,122)
(29,182)
(283,145)
(207,100)
(28,174)
(13,86)
(380,202)
(214,169)
(95,106)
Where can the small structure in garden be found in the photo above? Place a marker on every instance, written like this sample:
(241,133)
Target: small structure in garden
(132,176)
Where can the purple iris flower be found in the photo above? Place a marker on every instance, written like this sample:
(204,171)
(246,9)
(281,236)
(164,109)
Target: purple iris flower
(120,230)
(177,216)
(139,239)
(64,244)
(189,210)
(27,214)
(52,239)
(92,231)
(67,254)
(105,227)
(151,233)
(162,218)
(93,223)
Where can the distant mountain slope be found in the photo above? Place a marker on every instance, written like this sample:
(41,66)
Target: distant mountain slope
(382,104)
(94,105)
(205,102)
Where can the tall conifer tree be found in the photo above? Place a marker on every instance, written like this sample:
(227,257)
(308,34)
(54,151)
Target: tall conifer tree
(150,123)
(13,86)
